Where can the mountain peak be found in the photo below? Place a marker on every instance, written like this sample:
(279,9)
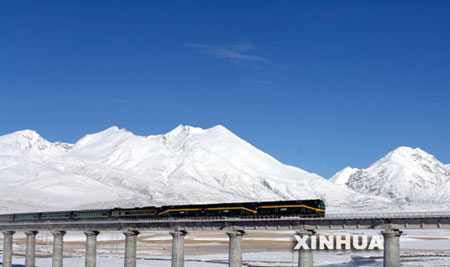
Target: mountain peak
(404,151)
(31,142)
(104,136)
(408,157)
(178,136)
(220,128)
(115,129)
(190,129)
(342,176)
(404,174)
(27,134)
(184,130)
(27,139)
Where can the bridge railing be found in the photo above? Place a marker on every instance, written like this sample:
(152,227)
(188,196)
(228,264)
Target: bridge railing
(388,215)
(347,216)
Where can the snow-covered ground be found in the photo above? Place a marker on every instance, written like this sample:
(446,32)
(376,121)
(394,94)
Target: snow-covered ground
(269,259)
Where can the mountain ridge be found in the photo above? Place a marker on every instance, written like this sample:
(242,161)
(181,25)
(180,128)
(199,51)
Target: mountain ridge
(114,167)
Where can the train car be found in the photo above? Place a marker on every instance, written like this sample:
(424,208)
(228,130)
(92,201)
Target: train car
(56,216)
(305,208)
(302,208)
(181,210)
(145,212)
(23,217)
(219,209)
(91,214)
(231,209)
(6,218)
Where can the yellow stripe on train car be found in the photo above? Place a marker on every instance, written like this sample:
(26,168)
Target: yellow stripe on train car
(169,210)
(291,206)
(232,208)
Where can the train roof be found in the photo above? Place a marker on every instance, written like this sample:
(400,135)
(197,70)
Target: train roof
(243,203)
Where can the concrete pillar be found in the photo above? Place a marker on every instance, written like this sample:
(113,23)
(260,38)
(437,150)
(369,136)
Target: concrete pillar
(305,256)
(235,248)
(391,248)
(30,250)
(7,248)
(91,248)
(58,243)
(178,248)
(130,248)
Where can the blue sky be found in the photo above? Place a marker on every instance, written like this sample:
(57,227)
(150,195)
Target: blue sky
(317,84)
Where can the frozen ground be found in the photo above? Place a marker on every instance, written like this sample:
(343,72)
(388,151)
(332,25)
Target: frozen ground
(326,259)
(260,249)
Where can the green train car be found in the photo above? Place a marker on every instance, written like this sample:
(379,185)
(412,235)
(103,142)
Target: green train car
(301,208)
(6,218)
(119,213)
(27,217)
(90,214)
(305,208)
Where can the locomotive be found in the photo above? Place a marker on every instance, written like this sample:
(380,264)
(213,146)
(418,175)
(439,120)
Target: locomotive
(301,208)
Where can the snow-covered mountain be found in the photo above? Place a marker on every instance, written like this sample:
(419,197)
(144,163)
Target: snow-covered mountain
(404,175)
(117,168)
(342,176)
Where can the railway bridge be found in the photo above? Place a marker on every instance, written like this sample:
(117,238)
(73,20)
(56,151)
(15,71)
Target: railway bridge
(390,225)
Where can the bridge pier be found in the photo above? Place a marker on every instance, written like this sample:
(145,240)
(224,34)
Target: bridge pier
(30,250)
(7,248)
(91,248)
(305,256)
(178,248)
(235,248)
(391,247)
(58,251)
(130,247)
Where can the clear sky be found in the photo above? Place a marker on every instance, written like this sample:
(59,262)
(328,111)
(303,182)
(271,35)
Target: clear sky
(317,84)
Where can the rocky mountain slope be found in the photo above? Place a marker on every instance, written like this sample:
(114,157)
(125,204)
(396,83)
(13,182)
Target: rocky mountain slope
(405,175)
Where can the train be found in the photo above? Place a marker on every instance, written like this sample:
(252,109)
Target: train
(301,208)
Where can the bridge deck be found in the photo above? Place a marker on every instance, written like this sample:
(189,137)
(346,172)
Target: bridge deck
(330,222)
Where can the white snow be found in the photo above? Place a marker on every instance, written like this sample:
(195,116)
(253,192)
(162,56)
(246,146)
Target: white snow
(342,176)
(117,168)
(405,175)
